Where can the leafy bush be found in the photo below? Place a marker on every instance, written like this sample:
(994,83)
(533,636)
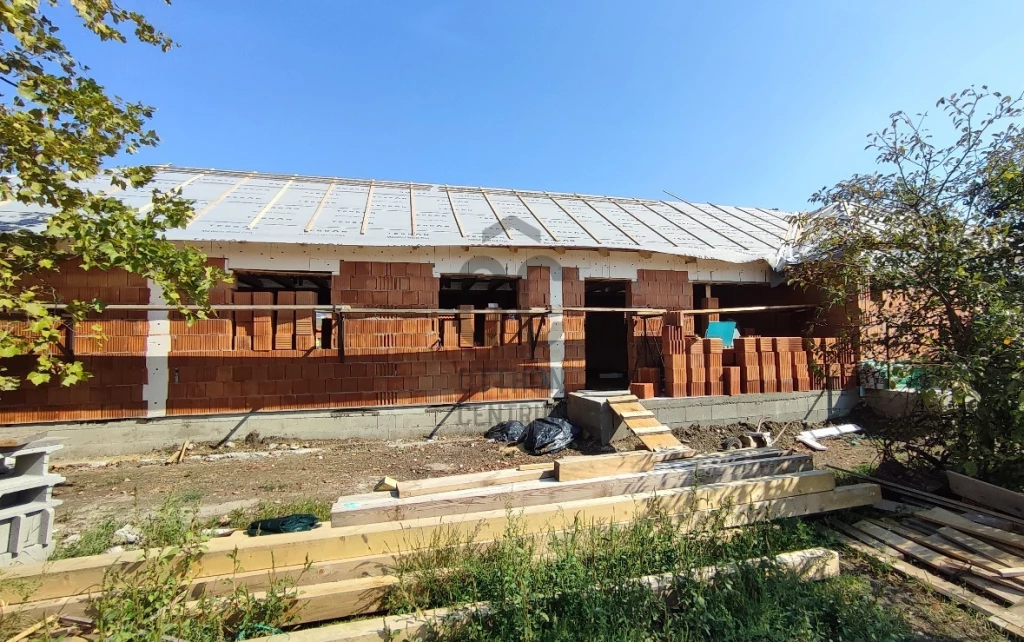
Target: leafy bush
(924,255)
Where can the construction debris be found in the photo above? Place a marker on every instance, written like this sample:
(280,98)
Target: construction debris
(810,438)
(387,484)
(964,546)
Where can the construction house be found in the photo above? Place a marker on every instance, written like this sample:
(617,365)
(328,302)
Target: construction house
(355,295)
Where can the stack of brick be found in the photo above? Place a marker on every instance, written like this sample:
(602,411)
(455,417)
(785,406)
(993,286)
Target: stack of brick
(769,370)
(650,376)
(467,328)
(125,336)
(710,303)
(784,348)
(681,320)
(574,363)
(733,381)
(573,291)
(305,332)
(745,356)
(696,369)
(712,349)
(263,322)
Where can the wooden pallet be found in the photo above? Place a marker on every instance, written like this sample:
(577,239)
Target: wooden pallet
(641,422)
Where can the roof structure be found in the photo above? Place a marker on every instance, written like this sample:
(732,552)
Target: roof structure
(273,208)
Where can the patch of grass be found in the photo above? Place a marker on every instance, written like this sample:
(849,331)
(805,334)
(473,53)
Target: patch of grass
(580,584)
(242,517)
(93,540)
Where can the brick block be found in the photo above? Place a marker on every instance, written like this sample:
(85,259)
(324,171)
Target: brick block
(642,390)
(676,389)
(745,344)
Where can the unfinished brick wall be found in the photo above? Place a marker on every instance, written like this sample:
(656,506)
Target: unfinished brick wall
(666,289)
(385,285)
(111,346)
(384,360)
(535,289)
(574,365)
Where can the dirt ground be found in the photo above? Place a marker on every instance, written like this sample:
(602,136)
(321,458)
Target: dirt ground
(268,469)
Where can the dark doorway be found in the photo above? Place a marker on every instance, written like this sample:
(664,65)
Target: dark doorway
(605,348)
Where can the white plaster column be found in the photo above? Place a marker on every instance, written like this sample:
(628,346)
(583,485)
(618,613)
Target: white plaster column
(158,347)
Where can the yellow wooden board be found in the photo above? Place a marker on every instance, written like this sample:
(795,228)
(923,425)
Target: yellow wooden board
(660,441)
(643,422)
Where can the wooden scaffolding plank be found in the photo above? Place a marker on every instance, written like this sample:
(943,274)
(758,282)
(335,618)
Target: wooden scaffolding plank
(985,549)
(986,494)
(472,480)
(744,501)
(549,491)
(998,616)
(644,422)
(943,517)
(941,563)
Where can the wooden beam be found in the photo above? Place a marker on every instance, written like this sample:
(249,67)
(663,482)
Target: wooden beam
(419,487)
(997,555)
(745,501)
(373,509)
(497,214)
(945,518)
(455,212)
(570,468)
(269,205)
(999,617)
(320,206)
(366,209)
(986,494)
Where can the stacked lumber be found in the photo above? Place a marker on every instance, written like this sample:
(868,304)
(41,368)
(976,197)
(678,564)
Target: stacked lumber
(344,569)
(927,536)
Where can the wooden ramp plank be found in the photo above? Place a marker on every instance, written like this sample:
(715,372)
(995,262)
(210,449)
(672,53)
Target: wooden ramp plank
(661,441)
(644,422)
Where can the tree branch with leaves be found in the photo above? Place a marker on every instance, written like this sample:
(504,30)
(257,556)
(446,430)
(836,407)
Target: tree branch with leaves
(936,234)
(58,126)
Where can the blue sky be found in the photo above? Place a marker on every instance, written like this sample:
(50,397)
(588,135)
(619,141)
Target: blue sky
(741,102)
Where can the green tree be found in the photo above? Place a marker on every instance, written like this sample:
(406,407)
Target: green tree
(936,234)
(57,128)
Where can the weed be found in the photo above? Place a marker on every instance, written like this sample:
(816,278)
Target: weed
(580,584)
(242,517)
(153,602)
(95,539)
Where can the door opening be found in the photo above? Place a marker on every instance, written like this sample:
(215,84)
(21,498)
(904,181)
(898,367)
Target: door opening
(605,348)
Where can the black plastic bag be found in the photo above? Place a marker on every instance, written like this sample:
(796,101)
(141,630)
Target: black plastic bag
(289,524)
(506,431)
(548,435)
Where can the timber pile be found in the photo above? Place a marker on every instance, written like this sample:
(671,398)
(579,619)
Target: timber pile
(926,536)
(351,558)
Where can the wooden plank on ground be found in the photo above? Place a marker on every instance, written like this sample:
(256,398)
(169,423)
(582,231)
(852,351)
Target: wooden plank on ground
(472,480)
(999,617)
(549,491)
(986,494)
(977,564)
(997,555)
(943,517)
(744,502)
(865,538)
(544,465)
(941,563)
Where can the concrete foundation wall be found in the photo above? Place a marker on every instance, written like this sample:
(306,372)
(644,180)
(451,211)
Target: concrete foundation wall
(812,407)
(110,439)
(893,403)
